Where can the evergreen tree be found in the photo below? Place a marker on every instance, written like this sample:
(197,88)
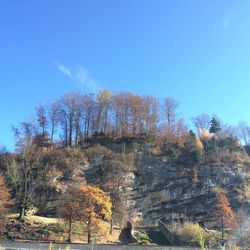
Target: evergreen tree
(214,126)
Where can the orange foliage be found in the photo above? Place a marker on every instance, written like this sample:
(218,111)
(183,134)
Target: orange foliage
(4,200)
(87,204)
(224,213)
(94,203)
(223,207)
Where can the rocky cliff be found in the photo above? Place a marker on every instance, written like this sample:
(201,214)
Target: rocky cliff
(178,193)
(172,183)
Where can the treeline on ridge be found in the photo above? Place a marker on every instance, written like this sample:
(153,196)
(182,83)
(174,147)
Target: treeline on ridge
(74,118)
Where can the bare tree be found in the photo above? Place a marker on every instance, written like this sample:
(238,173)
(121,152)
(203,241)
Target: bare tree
(244,132)
(26,173)
(53,111)
(88,106)
(151,114)
(137,113)
(121,105)
(68,107)
(201,122)
(169,110)
(77,119)
(42,118)
(103,108)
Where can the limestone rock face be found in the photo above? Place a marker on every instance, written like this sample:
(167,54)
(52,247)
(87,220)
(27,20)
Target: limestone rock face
(169,193)
(164,191)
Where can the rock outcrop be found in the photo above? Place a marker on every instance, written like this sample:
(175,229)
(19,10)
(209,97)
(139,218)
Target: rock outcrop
(171,193)
(126,236)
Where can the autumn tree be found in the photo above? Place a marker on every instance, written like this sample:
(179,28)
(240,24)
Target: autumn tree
(103,111)
(224,214)
(5,200)
(137,113)
(77,117)
(69,208)
(89,205)
(95,206)
(120,106)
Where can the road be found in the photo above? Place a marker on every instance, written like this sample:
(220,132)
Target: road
(45,246)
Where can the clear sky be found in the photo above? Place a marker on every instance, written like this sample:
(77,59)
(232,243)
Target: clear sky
(197,52)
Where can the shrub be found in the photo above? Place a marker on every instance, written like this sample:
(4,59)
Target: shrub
(142,236)
(97,151)
(190,232)
(65,161)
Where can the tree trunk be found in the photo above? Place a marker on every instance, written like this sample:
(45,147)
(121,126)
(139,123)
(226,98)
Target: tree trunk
(21,212)
(111,226)
(222,229)
(89,230)
(70,231)
(66,134)
(24,197)
(52,134)
(70,132)
(89,234)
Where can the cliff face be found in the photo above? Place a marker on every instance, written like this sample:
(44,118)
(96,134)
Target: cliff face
(161,187)
(173,193)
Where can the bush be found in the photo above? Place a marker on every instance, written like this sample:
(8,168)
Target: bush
(97,151)
(193,233)
(65,161)
(141,236)
(190,232)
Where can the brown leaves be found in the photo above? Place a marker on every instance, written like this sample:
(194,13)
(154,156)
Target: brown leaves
(5,200)
(94,201)
(224,211)
(85,203)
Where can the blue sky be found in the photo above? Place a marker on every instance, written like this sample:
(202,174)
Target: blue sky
(197,52)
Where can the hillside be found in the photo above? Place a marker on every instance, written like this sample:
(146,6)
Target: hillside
(172,182)
(114,158)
